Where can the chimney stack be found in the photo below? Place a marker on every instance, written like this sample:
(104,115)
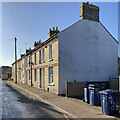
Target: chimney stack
(37,43)
(28,50)
(89,11)
(51,32)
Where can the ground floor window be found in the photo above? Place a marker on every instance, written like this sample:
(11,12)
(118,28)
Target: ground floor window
(29,75)
(35,75)
(40,78)
(50,69)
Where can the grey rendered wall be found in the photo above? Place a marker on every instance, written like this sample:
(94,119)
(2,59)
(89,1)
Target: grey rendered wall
(87,52)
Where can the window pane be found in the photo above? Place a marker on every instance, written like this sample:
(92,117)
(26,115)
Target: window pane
(26,62)
(35,57)
(43,57)
(35,75)
(50,74)
(50,51)
(40,56)
(29,61)
(29,74)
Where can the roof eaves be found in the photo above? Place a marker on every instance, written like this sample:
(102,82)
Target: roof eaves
(70,26)
(109,32)
(37,47)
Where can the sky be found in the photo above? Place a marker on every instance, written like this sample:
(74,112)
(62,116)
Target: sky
(31,21)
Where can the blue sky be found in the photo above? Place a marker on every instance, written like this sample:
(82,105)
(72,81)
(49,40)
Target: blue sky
(30,21)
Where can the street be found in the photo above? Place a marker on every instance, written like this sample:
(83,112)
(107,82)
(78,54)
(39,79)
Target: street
(15,105)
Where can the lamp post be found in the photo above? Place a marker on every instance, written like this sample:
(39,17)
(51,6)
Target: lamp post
(15,61)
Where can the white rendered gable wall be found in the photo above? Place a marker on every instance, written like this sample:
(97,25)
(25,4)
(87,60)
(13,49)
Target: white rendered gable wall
(87,52)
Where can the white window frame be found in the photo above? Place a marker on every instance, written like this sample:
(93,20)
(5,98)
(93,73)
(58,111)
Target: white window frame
(50,76)
(35,75)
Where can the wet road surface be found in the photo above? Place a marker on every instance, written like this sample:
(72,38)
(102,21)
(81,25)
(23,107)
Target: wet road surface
(16,105)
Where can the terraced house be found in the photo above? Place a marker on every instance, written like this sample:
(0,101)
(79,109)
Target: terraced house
(85,51)
(42,61)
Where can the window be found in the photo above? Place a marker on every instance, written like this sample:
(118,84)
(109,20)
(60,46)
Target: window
(39,56)
(29,61)
(50,52)
(35,75)
(43,56)
(23,75)
(29,75)
(50,74)
(35,58)
(26,62)
(19,75)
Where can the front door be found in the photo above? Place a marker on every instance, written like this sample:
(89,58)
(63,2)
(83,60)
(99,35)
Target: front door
(26,78)
(40,78)
(43,71)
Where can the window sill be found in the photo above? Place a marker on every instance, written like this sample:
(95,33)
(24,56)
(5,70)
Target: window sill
(43,61)
(51,84)
(50,60)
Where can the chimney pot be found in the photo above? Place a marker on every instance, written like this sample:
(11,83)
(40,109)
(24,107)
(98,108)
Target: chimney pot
(39,41)
(53,28)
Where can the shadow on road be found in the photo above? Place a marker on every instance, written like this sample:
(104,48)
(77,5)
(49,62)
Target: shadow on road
(36,109)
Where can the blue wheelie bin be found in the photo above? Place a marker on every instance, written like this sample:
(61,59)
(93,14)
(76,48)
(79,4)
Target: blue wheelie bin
(86,93)
(108,101)
(94,95)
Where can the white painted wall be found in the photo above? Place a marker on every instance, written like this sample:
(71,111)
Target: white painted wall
(87,52)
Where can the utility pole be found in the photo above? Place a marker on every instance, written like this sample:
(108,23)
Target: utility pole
(15,61)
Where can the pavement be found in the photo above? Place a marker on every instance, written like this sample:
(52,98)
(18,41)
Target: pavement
(72,107)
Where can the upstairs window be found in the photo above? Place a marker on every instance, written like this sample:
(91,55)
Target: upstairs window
(26,62)
(29,61)
(43,55)
(50,52)
(35,58)
(39,56)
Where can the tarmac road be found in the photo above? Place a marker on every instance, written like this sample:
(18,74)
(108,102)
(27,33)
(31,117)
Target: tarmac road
(16,105)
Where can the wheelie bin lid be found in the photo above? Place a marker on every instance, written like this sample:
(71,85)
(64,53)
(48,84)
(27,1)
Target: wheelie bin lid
(108,91)
(93,86)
